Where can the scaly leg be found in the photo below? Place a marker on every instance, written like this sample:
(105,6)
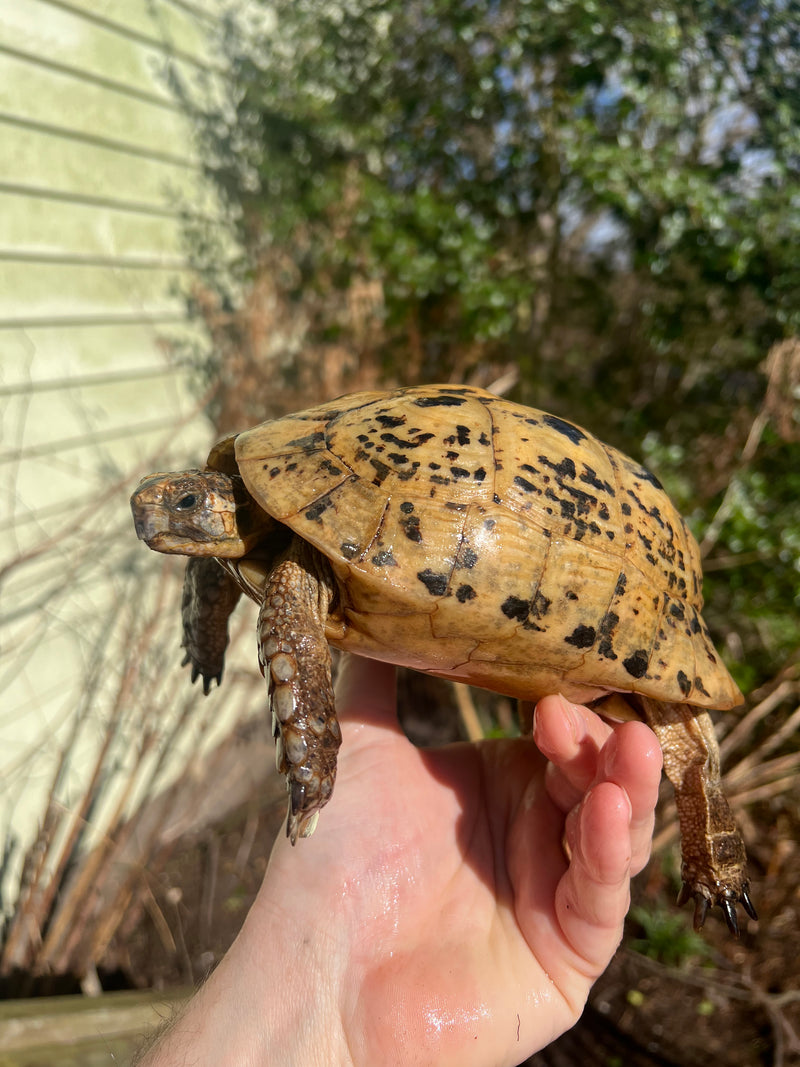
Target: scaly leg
(714,868)
(296,662)
(209,596)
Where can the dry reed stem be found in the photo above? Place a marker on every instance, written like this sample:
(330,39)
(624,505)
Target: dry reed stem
(468,712)
(743,731)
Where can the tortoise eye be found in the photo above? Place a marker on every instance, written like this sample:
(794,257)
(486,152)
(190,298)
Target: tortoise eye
(186,503)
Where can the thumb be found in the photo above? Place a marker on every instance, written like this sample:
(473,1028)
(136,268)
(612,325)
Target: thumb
(366,692)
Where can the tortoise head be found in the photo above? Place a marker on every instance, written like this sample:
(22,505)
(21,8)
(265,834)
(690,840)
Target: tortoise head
(197,513)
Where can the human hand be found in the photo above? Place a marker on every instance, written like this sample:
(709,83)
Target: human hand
(434,918)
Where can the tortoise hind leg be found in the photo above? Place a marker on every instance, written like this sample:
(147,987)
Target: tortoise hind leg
(209,596)
(714,868)
(296,662)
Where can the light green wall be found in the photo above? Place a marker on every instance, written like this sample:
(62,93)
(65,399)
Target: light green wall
(91,265)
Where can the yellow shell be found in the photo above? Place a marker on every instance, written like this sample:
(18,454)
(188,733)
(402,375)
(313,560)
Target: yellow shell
(492,543)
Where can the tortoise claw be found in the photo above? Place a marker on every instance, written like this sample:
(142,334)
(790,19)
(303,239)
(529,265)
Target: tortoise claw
(701,906)
(196,672)
(685,895)
(747,903)
(726,901)
(729,910)
(300,824)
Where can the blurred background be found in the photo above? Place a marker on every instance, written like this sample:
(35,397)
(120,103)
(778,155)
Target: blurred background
(212,213)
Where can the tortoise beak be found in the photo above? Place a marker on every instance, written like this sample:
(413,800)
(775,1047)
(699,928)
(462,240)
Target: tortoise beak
(147,504)
(149,523)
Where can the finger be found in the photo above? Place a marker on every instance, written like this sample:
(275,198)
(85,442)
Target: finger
(366,692)
(631,759)
(571,737)
(593,896)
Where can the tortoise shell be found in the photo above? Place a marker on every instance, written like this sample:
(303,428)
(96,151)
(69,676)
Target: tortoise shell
(489,542)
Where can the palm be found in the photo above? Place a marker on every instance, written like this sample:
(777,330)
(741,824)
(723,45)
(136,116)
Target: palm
(448,919)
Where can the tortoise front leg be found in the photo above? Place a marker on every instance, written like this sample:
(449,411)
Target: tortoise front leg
(209,596)
(714,868)
(296,663)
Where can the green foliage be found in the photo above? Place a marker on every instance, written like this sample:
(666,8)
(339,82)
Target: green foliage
(439,146)
(666,937)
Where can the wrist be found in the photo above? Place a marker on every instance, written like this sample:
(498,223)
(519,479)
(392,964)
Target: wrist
(269,1003)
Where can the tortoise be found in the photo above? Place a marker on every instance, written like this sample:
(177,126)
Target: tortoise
(449,530)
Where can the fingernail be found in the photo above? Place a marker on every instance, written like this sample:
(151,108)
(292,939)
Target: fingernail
(573,718)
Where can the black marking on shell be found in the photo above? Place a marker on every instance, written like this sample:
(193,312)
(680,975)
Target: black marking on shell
(309,443)
(459,472)
(636,664)
(466,558)
(436,584)
(540,605)
(585,501)
(677,610)
(326,465)
(381,471)
(582,637)
(606,633)
(389,421)
(463,434)
(484,440)
(564,469)
(443,400)
(314,512)
(349,549)
(625,508)
(479,474)
(589,476)
(684,683)
(410,527)
(698,684)
(647,476)
(526,485)
(570,595)
(384,559)
(407,507)
(397,457)
(464,593)
(514,607)
(622,581)
(569,431)
(399,442)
